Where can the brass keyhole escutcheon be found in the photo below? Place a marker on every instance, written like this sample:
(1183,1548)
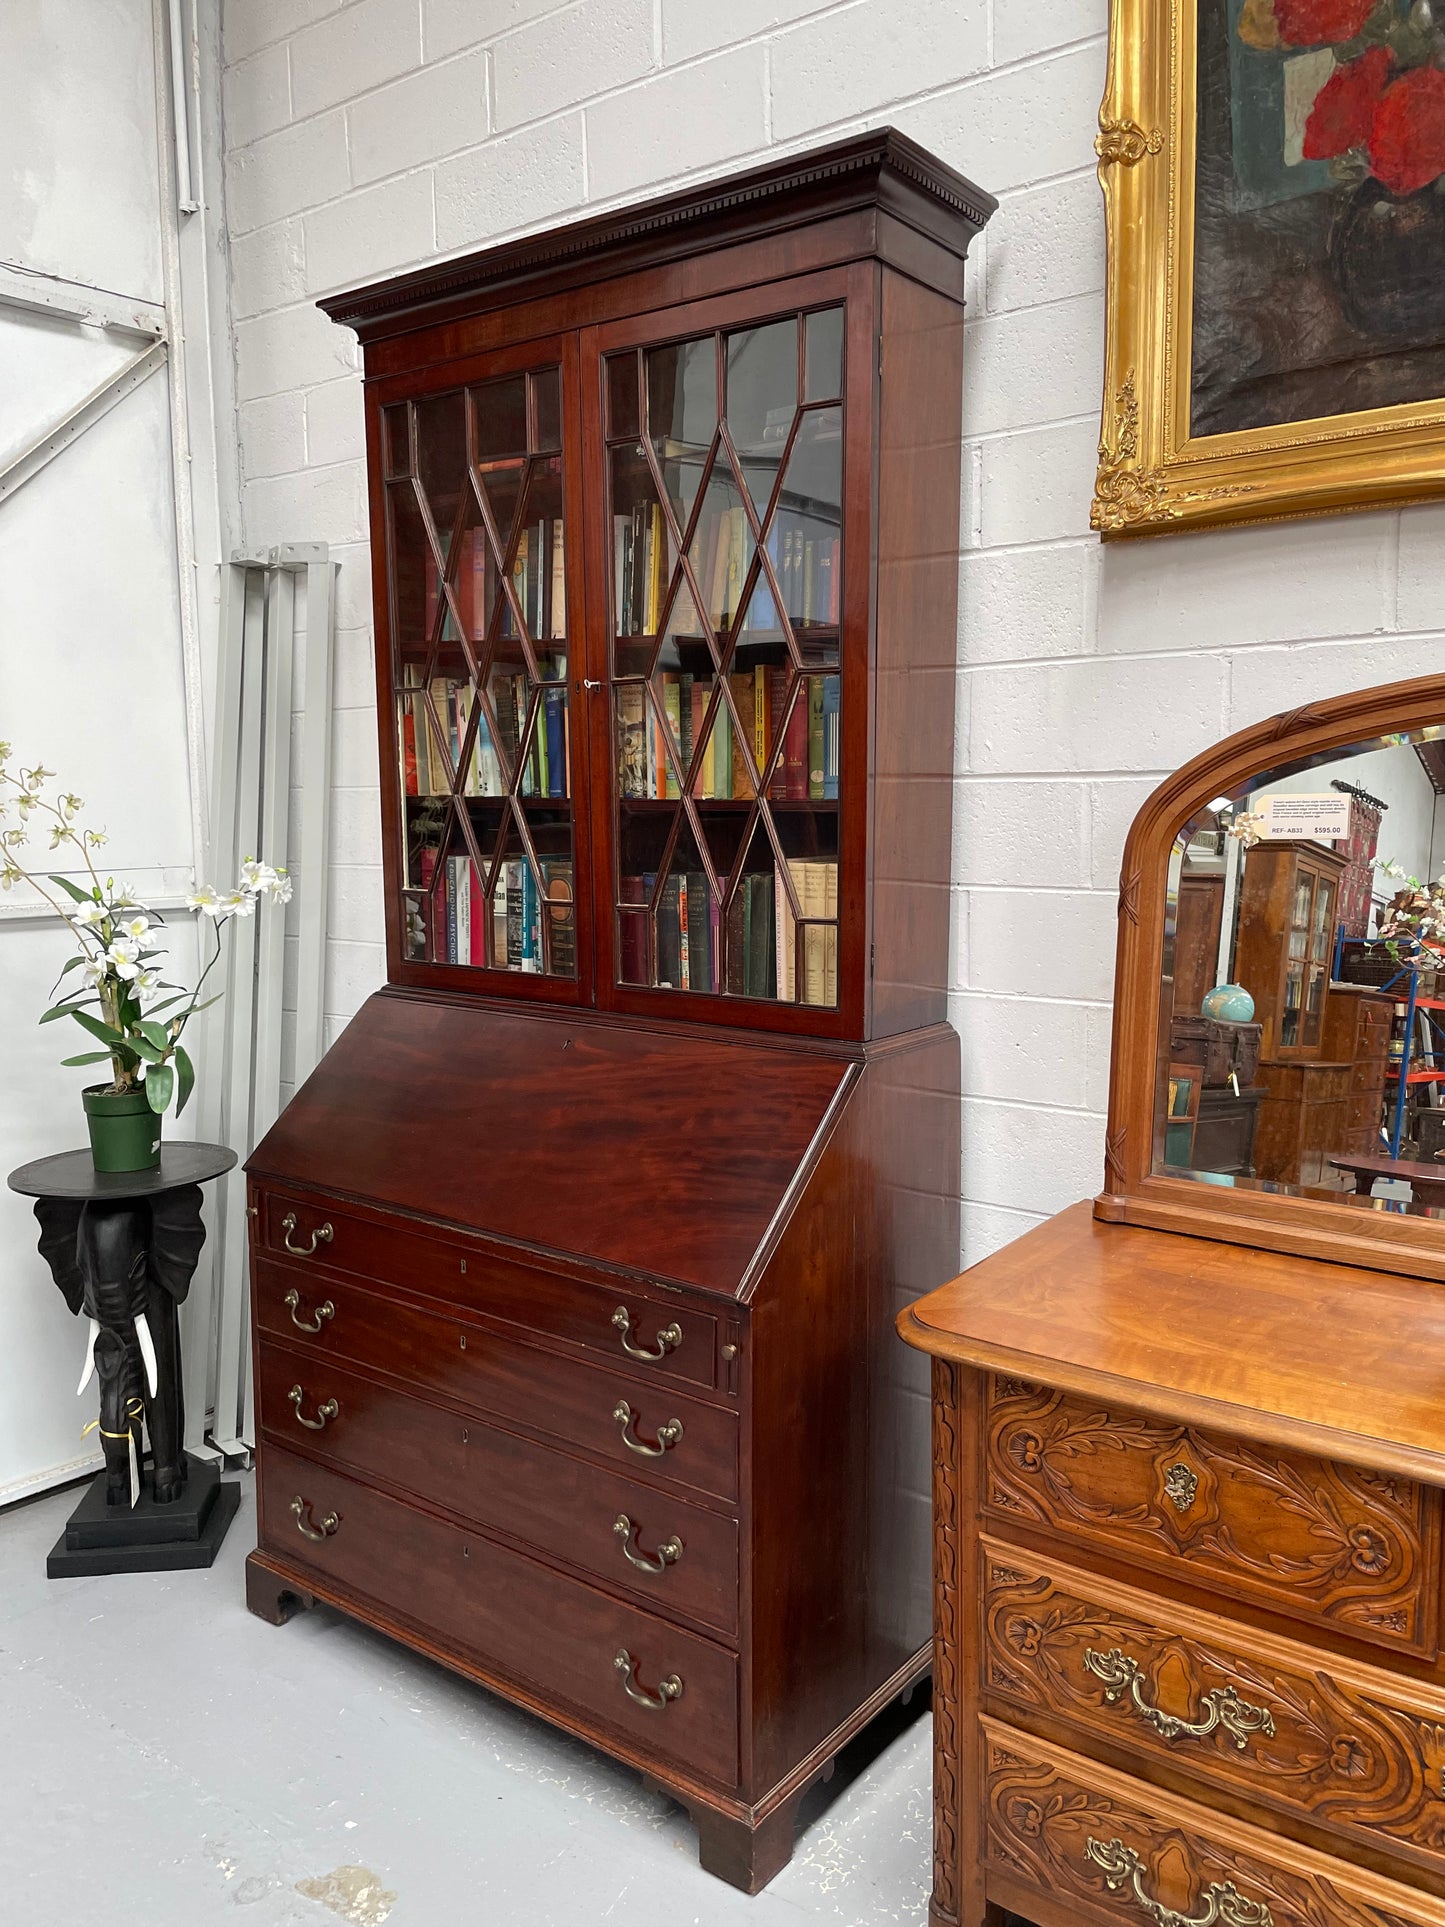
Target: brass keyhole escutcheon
(1181,1486)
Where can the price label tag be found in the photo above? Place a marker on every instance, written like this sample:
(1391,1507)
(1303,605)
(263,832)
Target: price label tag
(1301,817)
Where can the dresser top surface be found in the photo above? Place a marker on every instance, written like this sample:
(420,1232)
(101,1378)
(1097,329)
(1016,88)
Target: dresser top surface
(1294,1351)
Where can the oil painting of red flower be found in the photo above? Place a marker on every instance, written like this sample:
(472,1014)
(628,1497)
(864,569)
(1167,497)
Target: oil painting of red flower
(1317,23)
(1344,111)
(1407,134)
(1318,273)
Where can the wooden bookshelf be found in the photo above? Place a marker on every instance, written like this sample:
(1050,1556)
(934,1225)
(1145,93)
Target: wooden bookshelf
(595,1220)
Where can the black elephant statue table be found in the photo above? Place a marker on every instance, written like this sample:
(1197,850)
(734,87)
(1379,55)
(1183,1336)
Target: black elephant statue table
(123,1247)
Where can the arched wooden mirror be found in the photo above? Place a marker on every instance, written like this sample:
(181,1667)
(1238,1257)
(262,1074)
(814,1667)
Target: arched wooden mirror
(1279,1025)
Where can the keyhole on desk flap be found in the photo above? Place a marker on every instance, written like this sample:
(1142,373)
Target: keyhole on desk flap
(466,1436)
(464,1266)
(464,1341)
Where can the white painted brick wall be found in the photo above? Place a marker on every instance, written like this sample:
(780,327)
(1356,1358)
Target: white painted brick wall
(365,136)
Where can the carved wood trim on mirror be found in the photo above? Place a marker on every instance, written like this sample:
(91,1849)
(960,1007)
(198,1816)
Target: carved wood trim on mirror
(1299,1218)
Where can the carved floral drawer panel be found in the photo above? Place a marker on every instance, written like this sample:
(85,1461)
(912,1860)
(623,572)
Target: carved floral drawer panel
(674,1557)
(1110,1849)
(672,1339)
(626,1669)
(646,1426)
(1349,1748)
(1312,1539)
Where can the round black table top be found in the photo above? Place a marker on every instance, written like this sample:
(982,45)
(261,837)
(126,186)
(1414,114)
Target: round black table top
(71,1174)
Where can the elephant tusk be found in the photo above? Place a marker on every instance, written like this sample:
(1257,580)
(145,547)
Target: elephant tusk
(148,1353)
(89,1372)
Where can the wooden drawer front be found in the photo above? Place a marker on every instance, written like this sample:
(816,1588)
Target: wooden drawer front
(1368,1076)
(507,1612)
(539,1300)
(1119,1851)
(489,1372)
(561,1505)
(1363,1113)
(1311,1539)
(1349,1748)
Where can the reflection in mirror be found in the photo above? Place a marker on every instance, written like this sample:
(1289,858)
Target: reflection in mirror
(1302,1045)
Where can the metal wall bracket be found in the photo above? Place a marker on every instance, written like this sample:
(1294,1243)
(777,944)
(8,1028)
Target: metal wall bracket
(35,292)
(28,463)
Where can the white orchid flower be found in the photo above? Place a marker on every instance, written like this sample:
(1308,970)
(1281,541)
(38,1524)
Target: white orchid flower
(135,927)
(85,916)
(94,971)
(281,889)
(238,903)
(257,876)
(206,900)
(123,958)
(147,982)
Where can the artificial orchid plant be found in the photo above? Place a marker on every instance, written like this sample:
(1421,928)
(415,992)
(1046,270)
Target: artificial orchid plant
(123,998)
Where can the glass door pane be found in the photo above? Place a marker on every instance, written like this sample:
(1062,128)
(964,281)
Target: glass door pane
(725,492)
(477,557)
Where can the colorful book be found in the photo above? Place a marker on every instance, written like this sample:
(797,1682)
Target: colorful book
(476,919)
(632,740)
(815,738)
(672,708)
(831,693)
(555,699)
(561,914)
(632,942)
(669,935)
(531,941)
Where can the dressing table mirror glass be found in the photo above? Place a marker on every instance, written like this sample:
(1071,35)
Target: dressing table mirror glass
(1279,1072)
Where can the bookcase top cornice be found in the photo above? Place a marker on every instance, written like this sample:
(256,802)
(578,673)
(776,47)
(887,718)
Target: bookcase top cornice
(882,169)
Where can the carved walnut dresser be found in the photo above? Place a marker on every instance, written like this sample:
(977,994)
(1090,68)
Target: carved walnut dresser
(1189,1451)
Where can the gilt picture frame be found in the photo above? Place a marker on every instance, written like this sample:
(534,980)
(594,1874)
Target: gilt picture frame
(1274,182)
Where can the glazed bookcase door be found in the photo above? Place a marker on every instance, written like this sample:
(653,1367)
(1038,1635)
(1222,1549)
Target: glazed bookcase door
(720,563)
(483,756)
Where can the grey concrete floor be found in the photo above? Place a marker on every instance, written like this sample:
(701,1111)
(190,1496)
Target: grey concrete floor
(166,1760)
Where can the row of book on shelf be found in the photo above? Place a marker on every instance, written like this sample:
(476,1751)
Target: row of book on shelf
(804,554)
(807,769)
(762,934)
(539,582)
(424,764)
(459,914)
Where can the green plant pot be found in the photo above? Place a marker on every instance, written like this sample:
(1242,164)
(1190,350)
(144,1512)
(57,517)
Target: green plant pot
(125,1133)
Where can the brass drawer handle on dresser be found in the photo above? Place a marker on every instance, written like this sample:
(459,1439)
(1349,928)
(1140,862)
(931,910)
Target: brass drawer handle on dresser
(668,1435)
(668,1339)
(329,1410)
(668,1553)
(300,1509)
(1223,1707)
(668,1689)
(292,1302)
(1223,1902)
(322,1235)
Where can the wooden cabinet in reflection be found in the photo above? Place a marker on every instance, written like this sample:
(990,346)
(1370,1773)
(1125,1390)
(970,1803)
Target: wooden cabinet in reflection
(1288,898)
(1196,941)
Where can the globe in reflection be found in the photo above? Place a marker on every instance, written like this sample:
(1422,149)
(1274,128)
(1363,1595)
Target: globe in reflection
(1228,1004)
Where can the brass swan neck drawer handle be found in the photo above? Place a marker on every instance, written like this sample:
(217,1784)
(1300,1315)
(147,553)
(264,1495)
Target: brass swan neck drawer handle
(301,1509)
(1223,1902)
(329,1410)
(322,1235)
(668,1553)
(668,1689)
(1223,1707)
(668,1339)
(668,1435)
(292,1302)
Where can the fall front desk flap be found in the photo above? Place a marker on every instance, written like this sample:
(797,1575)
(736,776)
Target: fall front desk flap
(664,1153)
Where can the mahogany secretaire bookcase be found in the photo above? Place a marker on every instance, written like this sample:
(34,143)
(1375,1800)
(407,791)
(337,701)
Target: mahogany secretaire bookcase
(575,1262)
